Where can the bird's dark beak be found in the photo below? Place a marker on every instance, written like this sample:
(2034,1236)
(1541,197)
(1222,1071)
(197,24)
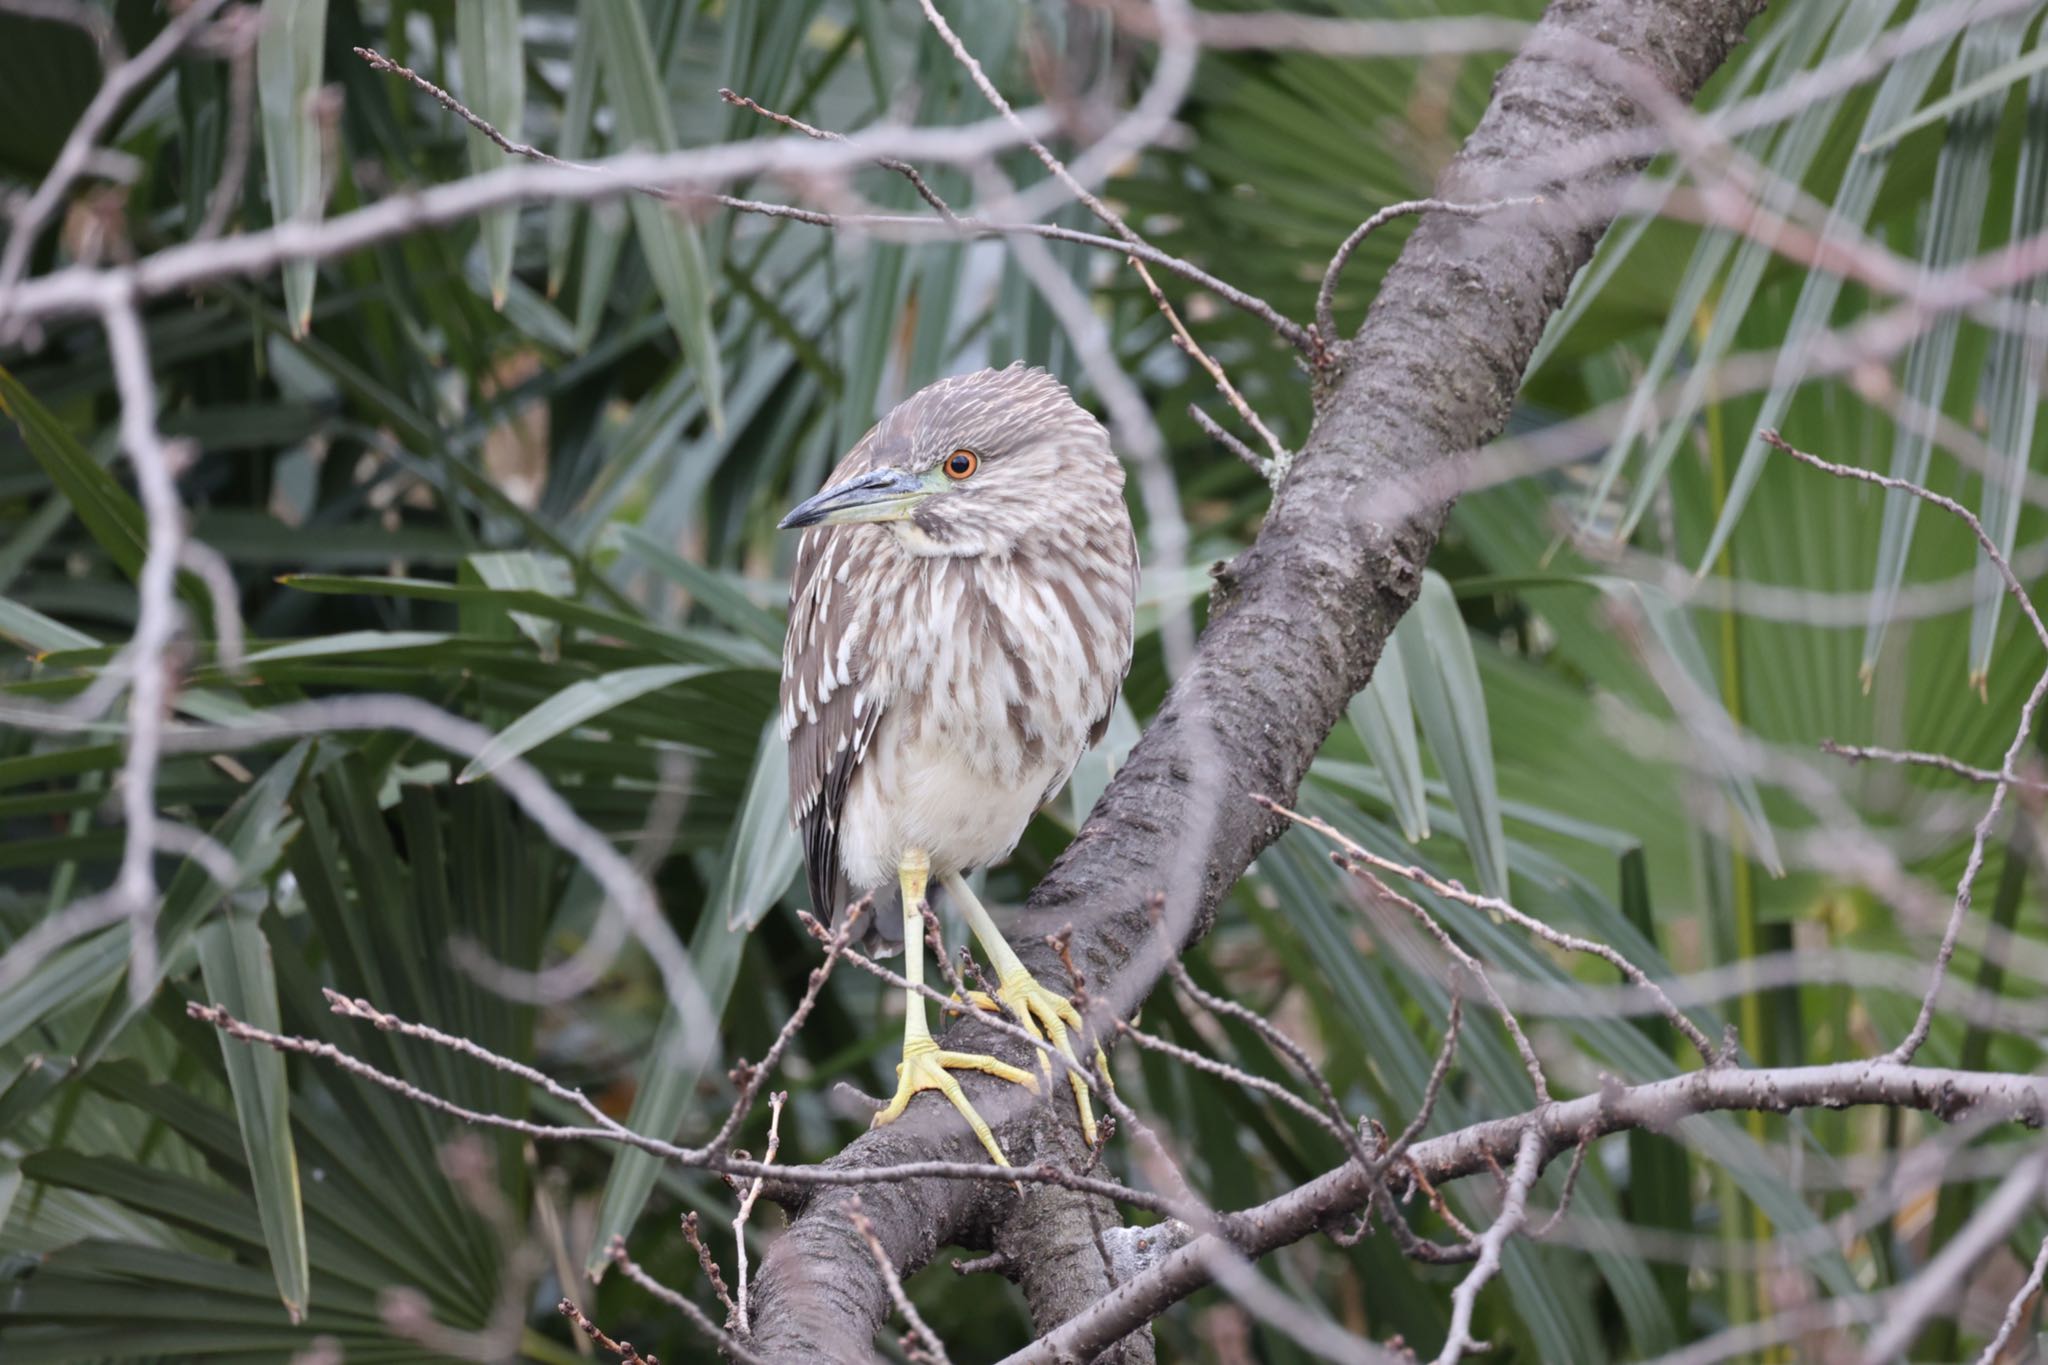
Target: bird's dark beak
(879,495)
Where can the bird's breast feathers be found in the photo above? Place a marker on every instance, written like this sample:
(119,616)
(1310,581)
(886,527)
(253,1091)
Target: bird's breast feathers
(964,690)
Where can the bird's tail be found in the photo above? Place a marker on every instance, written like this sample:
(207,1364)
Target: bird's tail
(878,930)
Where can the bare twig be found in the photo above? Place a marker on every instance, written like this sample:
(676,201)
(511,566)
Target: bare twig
(703,1158)
(2013,586)
(928,1341)
(358,1008)
(995,1263)
(1513,1211)
(379,62)
(624,1350)
(1935,1290)
(2022,1300)
(1215,1066)
(751,1077)
(949,221)
(1444,1054)
(149,694)
(1326,296)
(1858,753)
(1980,837)
(698,1318)
(1230,443)
(887,163)
(1175,50)
(202,848)
(694,1235)
(211,568)
(1495,905)
(1564,1197)
(1471,965)
(83,289)
(1657,1106)
(120,86)
(1184,339)
(747,1201)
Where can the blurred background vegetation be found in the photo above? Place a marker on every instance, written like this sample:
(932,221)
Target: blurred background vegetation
(530,470)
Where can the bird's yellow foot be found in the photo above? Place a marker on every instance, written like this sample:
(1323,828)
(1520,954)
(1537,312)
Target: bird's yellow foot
(1020,995)
(925,1066)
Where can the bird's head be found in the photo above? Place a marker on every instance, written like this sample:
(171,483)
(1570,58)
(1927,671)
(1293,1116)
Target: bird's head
(974,465)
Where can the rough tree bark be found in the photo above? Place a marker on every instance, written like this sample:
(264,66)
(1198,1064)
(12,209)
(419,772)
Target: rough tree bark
(1296,624)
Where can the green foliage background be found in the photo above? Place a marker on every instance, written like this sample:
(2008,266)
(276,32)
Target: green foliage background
(560,511)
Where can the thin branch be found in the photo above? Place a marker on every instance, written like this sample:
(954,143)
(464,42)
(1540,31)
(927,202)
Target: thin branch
(2013,586)
(1275,1036)
(2022,1300)
(1936,1290)
(1564,1197)
(747,1201)
(1326,296)
(149,693)
(1514,1211)
(202,848)
(120,86)
(1858,753)
(379,62)
(1115,222)
(753,1076)
(887,163)
(1185,340)
(624,1350)
(1655,1106)
(210,566)
(360,1009)
(1333,1118)
(949,221)
(83,289)
(698,1317)
(1230,443)
(1495,905)
(693,1234)
(1980,837)
(1464,959)
(1445,1052)
(1215,1066)
(932,1348)
(695,1157)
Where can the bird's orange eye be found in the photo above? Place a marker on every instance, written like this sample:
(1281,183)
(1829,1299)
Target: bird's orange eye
(961,463)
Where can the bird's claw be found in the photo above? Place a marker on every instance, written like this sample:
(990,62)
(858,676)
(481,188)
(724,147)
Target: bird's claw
(1034,1006)
(925,1066)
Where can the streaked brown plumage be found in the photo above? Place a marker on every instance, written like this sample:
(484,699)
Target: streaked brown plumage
(954,650)
(976,646)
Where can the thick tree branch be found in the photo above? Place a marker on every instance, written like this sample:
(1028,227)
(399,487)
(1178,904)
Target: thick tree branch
(1296,624)
(1561,1127)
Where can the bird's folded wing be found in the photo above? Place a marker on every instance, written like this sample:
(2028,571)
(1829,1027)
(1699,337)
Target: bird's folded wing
(829,711)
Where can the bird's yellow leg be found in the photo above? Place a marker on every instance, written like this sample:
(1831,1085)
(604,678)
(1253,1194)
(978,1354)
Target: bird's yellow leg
(1033,1006)
(925,1065)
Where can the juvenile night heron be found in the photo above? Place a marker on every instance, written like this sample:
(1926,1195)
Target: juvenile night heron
(959,624)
